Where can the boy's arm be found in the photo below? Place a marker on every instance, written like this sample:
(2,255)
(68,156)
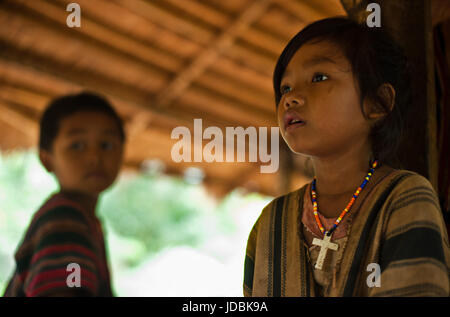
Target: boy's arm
(415,254)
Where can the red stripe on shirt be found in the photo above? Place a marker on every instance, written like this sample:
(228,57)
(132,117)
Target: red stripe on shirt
(54,202)
(63,248)
(56,274)
(57,286)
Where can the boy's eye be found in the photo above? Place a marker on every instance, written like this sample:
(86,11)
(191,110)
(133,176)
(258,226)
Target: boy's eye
(285,89)
(106,145)
(78,146)
(319,77)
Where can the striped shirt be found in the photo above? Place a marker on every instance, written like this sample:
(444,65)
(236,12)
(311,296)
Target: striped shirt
(62,251)
(397,230)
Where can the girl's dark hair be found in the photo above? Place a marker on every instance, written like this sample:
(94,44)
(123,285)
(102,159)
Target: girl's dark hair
(375,59)
(67,105)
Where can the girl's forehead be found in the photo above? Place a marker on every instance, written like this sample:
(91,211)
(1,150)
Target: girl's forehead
(312,54)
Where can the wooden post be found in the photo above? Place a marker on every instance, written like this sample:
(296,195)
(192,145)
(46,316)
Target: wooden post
(409,22)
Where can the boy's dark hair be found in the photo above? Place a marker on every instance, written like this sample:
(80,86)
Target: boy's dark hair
(67,105)
(375,59)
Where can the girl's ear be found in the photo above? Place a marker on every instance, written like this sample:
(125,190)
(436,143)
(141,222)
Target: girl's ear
(387,94)
(46,159)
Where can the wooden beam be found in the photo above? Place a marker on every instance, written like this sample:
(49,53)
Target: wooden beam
(84,79)
(66,45)
(168,20)
(101,33)
(281,23)
(134,74)
(243,75)
(36,101)
(30,99)
(302,9)
(167,29)
(328,8)
(90,28)
(182,81)
(248,96)
(19,121)
(20,75)
(202,98)
(219,20)
(137,27)
(200,10)
(260,38)
(250,58)
(133,95)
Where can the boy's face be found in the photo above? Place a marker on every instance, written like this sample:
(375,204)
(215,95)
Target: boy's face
(86,154)
(318,87)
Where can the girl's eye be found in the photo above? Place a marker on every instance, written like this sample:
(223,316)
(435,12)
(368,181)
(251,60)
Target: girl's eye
(285,89)
(319,77)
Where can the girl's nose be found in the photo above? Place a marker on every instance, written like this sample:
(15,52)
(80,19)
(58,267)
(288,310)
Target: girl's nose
(293,100)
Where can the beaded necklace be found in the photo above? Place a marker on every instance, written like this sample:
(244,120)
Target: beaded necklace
(325,243)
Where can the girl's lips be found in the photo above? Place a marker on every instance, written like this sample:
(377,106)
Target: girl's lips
(294,126)
(292,118)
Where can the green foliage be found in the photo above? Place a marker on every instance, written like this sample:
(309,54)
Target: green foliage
(157,211)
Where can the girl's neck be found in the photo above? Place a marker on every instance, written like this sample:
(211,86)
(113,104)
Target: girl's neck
(341,174)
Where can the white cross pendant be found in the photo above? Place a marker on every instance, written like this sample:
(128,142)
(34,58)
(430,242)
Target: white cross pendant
(324,244)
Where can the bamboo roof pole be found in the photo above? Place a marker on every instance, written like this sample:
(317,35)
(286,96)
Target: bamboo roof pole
(20,122)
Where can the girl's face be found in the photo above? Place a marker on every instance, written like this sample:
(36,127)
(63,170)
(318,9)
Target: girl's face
(319,89)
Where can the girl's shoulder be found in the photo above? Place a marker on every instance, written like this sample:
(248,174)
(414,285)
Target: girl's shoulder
(289,201)
(292,196)
(406,183)
(411,200)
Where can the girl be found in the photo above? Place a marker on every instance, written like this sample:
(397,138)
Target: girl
(361,227)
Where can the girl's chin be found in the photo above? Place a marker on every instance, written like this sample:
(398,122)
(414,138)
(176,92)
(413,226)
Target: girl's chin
(297,148)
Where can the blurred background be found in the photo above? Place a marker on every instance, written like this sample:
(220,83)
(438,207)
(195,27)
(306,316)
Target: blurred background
(180,229)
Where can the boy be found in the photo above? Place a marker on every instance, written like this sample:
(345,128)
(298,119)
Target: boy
(63,252)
